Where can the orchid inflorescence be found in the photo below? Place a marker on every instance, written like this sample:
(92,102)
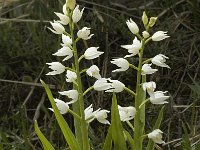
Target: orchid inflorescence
(71,15)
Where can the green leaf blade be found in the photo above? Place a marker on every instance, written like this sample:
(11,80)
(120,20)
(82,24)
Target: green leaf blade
(45,143)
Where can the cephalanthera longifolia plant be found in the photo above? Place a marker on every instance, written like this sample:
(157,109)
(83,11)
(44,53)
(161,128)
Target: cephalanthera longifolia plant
(117,137)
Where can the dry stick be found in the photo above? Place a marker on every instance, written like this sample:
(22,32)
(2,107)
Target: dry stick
(37,111)
(166,10)
(32,88)
(28,83)
(22,20)
(130,9)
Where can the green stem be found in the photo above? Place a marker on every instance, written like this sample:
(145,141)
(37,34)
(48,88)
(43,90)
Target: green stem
(138,123)
(74,114)
(130,91)
(144,102)
(79,60)
(130,125)
(147,61)
(149,39)
(82,71)
(84,131)
(89,89)
(139,36)
(67,68)
(132,66)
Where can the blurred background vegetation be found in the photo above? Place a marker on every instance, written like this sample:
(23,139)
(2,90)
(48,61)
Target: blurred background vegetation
(26,45)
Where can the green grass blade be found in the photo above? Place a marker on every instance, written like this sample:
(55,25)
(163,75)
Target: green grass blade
(69,136)
(116,126)
(108,140)
(129,139)
(151,144)
(45,143)
(186,145)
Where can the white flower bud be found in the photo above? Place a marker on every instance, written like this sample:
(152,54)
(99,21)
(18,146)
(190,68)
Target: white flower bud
(70,4)
(132,26)
(159,35)
(77,14)
(145,34)
(152,21)
(145,18)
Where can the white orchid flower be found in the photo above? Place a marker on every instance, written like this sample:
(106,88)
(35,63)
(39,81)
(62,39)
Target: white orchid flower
(159,98)
(84,33)
(92,53)
(101,116)
(71,76)
(102,84)
(150,87)
(64,51)
(122,63)
(156,136)
(73,94)
(146,69)
(159,35)
(132,26)
(65,9)
(134,48)
(66,40)
(58,28)
(57,68)
(77,14)
(93,71)
(64,19)
(61,105)
(126,113)
(116,86)
(89,115)
(160,60)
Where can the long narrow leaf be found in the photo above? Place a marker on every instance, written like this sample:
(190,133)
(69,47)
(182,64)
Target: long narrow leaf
(186,145)
(129,139)
(45,143)
(108,140)
(69,136)
(116,126)
(151,144)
